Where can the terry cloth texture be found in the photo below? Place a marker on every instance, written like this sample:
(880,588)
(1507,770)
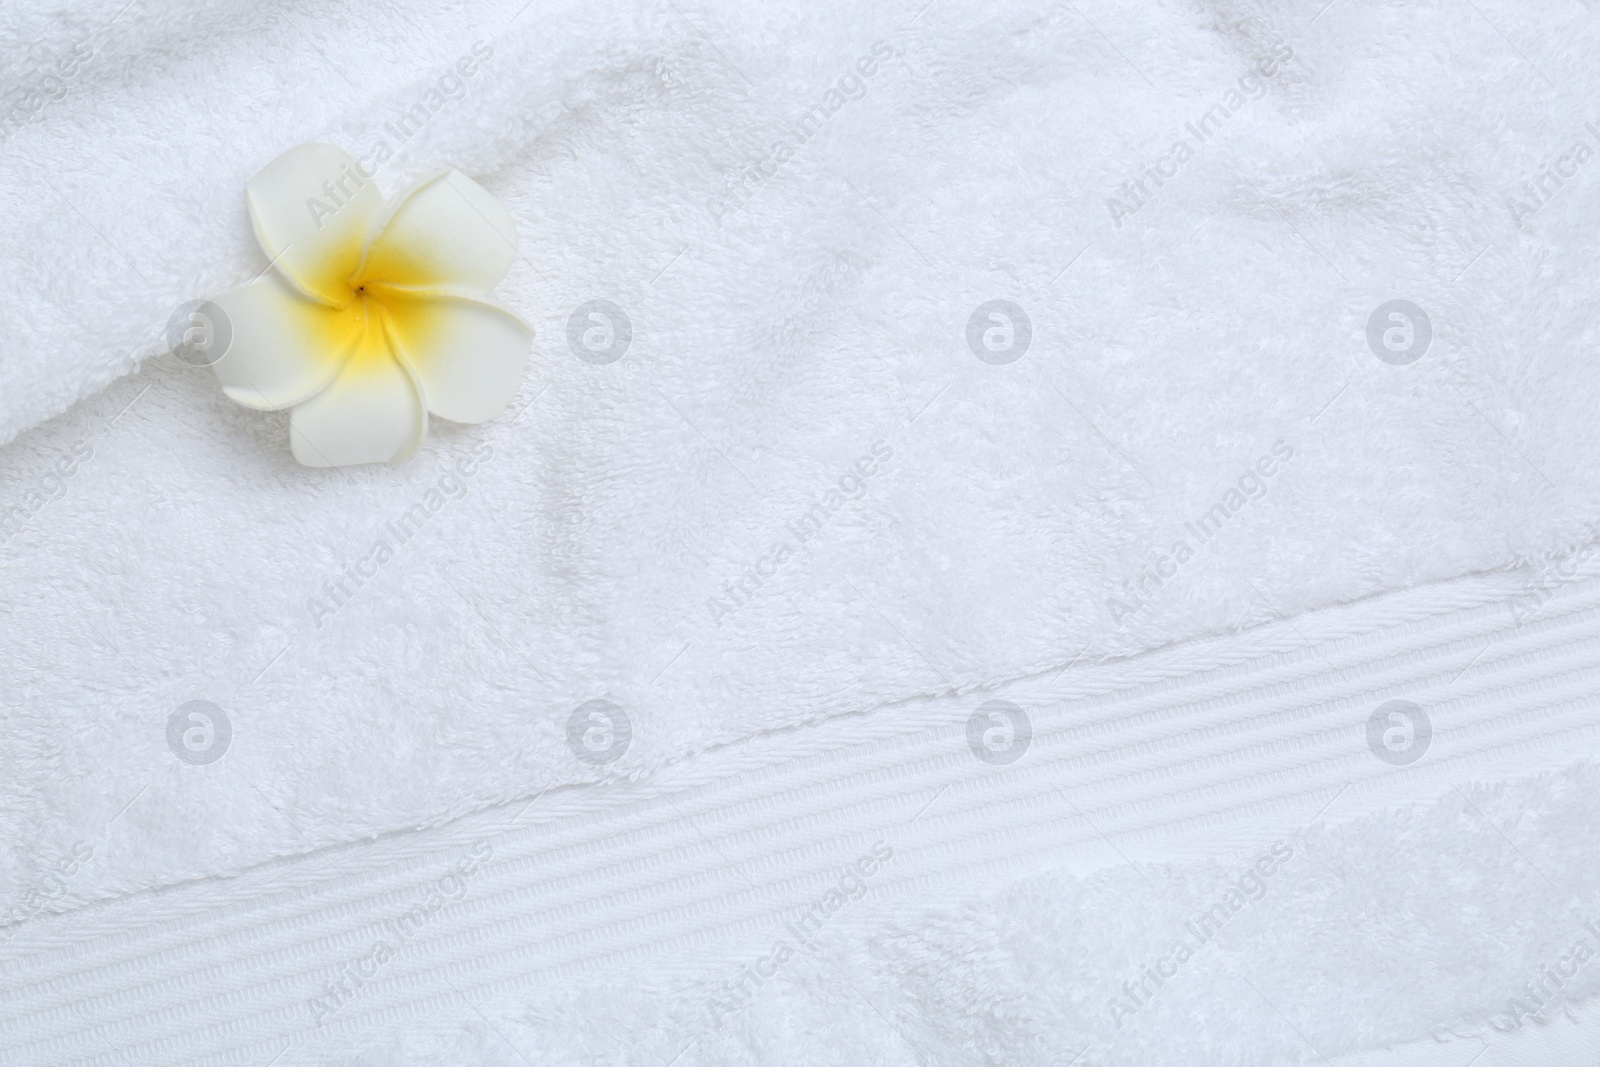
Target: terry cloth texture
(939,354)
(1199,857)
(800,492)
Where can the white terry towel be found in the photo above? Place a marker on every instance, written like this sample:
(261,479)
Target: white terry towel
(810,486)
(1204,855)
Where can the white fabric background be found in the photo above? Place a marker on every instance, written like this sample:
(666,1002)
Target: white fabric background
(769,353)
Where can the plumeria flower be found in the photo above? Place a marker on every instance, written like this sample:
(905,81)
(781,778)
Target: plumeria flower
(368,319)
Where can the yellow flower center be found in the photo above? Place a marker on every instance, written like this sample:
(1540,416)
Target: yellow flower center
(374,316)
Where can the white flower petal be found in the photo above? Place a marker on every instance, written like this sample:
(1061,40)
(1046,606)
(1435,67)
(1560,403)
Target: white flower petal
(448,233)
(372,413)
(468,354)
(283,347)
(313,210)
